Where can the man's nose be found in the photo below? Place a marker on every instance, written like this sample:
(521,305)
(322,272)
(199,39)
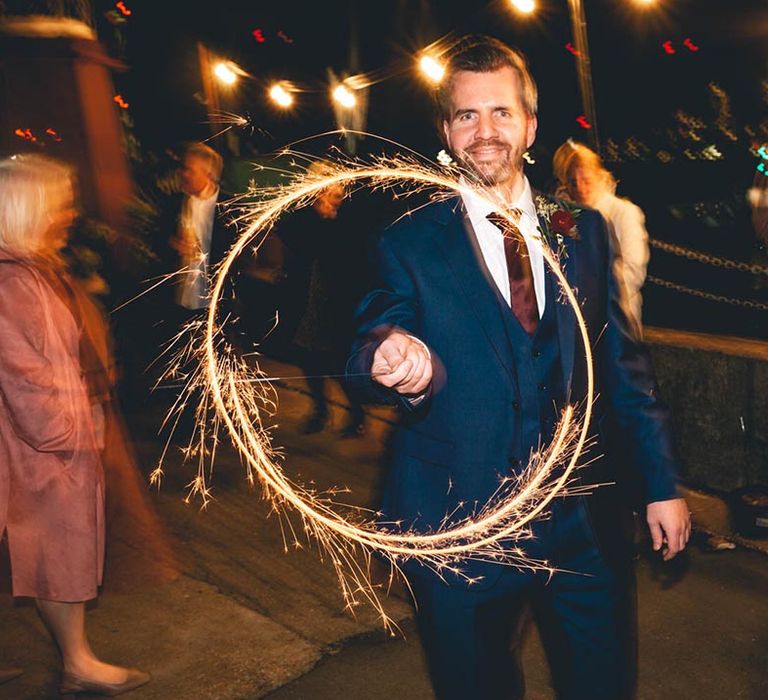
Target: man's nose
(486,128)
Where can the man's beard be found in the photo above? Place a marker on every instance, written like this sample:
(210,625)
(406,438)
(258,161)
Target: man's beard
(497,171)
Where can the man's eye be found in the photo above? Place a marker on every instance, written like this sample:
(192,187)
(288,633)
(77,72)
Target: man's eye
(465,117)
(503,113)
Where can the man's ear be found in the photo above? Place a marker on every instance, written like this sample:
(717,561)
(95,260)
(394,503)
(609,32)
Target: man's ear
(445,134)
(530,133)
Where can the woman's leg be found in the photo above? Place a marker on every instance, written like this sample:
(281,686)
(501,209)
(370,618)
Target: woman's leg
(66,622)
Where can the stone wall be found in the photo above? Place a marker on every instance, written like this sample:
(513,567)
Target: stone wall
(717,389)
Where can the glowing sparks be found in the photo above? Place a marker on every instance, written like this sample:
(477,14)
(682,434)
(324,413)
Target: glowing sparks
(432,68)
(280,94)
(239,398)
(344,96)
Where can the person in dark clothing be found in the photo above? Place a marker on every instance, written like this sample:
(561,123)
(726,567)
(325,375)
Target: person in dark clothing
(322,263)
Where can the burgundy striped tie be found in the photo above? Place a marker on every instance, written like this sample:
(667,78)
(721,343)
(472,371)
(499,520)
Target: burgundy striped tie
(522,295)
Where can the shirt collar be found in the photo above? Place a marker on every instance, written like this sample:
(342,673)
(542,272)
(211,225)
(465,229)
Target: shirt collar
(212,198)
(478,208)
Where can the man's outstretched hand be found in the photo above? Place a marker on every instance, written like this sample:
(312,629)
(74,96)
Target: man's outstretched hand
(402,363)
(670,525)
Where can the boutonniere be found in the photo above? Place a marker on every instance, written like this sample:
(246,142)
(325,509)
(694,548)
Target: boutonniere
(557,221)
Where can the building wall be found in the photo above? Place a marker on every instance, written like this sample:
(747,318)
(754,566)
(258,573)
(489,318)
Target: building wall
(64,84)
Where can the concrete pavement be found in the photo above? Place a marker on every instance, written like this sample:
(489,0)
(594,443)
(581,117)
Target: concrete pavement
(245,619)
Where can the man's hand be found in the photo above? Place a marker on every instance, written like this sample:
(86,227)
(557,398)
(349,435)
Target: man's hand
(670,525)
(402,363)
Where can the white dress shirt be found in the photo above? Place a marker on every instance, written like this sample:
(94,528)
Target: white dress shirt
(491,241)
(197,217)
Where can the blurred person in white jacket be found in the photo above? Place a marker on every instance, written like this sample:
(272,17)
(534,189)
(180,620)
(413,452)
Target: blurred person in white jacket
(585,180)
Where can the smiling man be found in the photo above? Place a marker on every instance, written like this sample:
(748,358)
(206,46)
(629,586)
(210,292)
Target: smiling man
(466,332)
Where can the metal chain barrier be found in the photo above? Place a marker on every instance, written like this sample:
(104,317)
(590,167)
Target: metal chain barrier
(746,303)
(708,259)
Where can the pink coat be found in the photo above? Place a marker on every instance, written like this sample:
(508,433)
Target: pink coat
(51,477)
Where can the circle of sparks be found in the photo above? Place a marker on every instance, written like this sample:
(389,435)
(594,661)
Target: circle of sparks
(490,533)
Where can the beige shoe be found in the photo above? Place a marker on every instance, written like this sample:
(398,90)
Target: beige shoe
(71,685)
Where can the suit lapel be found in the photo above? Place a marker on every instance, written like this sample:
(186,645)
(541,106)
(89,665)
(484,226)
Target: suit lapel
(461,252)
(566,319)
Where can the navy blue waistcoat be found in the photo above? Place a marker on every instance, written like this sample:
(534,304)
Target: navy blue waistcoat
(536,360)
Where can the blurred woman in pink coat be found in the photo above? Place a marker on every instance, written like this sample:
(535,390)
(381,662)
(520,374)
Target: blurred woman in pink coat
(51,476)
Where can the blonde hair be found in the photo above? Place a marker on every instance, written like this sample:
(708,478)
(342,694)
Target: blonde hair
(573,154)
(215,162)
(30,189)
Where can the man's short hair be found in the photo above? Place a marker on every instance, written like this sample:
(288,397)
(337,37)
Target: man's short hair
(484,54)
(200,150)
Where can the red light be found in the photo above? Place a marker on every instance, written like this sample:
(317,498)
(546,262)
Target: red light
(120,101)
(285,37)
(583,123)
(690,45)
(26,134)
(667,45)
(123,9)
(258,35)
(52,133)
(572,49)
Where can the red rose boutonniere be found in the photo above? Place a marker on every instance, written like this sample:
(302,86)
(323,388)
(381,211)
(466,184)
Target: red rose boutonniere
(557,222)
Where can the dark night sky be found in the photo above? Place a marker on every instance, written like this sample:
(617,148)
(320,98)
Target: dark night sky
(638,87)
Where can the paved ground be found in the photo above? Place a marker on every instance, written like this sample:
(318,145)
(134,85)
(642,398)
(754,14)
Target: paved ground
(244,619)
(703,635)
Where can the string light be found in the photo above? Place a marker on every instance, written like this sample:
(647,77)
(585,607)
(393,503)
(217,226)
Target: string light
(280,94)
(524,7)
(225,72)
(432,69)
(344,96)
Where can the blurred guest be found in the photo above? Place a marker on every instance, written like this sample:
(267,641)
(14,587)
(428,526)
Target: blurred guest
(584,180)
(196,230)
(197,240)
(51,422)
(321,269)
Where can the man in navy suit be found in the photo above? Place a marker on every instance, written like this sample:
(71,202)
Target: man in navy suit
(466,332)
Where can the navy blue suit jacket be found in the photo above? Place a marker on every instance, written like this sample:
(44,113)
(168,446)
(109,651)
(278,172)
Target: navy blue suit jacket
(452,448)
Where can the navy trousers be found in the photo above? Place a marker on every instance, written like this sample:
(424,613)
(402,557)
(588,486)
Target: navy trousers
(585,611)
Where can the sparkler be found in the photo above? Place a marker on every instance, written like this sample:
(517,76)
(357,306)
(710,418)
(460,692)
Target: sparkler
(239,396)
